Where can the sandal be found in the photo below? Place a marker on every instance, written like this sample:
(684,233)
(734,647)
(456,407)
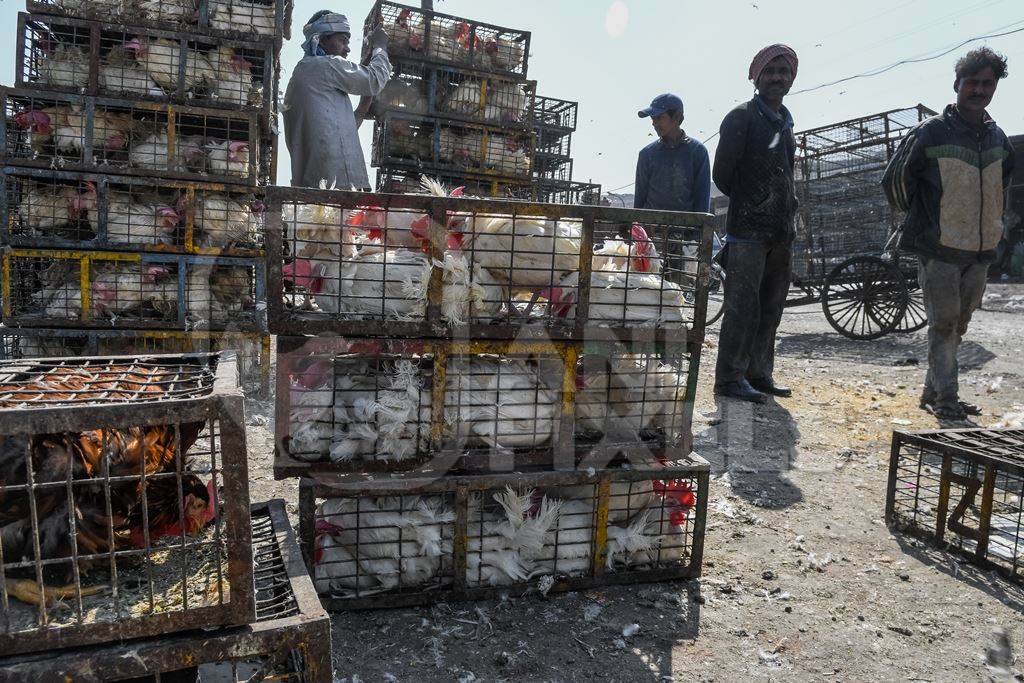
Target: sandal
(969,408)
(947,412)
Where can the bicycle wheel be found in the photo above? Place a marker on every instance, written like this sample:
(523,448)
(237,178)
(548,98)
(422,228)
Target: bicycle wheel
(716,296)
(864,298)
(915,317)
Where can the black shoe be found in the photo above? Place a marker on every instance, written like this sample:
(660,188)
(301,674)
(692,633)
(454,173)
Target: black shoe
(768,386)
(741,390)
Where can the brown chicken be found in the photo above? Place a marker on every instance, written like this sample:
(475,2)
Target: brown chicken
(101,511)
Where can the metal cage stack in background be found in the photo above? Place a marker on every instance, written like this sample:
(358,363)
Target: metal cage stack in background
(454,338)
(843,211)
(962,489)
(123,499)
(137,143)
(554,122)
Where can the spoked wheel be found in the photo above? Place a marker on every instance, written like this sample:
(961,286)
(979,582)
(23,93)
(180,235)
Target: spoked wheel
(915,318)
(864,297)
(716,295)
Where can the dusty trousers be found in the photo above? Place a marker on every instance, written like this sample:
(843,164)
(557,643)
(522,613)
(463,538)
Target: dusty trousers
(756,286)
(952,293)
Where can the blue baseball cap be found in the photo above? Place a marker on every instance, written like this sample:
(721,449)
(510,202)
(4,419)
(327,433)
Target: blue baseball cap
(660,105)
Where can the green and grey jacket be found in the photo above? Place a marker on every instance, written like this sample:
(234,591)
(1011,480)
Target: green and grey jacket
(951,179)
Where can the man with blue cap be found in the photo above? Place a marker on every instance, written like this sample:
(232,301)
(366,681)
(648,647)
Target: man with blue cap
(673,172)
(320,127)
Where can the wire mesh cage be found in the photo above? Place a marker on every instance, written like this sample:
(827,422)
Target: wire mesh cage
(555,114)
(961,489)
(82,133)
(252,350)
(368,264)
(550,167)
(76,56)
(433,144)
(55,209)
(570,192)
(402,181)
(842,211)
(419,88)
(124,499)
(241,19)
(430,36)
(373,405)
(44,288)
(289,641)
(403,540)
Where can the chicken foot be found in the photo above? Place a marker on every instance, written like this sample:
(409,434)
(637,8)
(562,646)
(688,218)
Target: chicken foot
(32,593)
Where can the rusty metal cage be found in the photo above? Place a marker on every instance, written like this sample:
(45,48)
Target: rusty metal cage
(843,212)
(549,167)
(961,489)
(428,144)
(425,35)
(289,641)
(457,95)
(252,350)
(401,540)
(95,134)
(496,269)
(86,57)
(555,114)
(239,19)
(378,405)
(56,209)
(49,288)
(568,192)
(124,499)
(401,181)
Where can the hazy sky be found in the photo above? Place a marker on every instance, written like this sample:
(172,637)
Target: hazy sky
(613,57)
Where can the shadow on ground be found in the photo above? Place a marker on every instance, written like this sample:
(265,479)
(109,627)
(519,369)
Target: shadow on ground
(891,350)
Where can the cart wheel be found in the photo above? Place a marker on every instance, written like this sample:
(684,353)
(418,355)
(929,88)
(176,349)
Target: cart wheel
(716,296)
(915,318)
(864,297)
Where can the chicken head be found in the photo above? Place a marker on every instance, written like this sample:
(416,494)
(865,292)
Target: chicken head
(35,121)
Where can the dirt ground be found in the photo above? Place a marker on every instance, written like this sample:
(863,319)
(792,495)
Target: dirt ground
(802,580)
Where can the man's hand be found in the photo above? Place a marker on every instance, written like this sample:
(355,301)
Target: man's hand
(378,38)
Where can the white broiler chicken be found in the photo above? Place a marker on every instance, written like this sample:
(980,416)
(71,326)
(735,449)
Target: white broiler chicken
(318,231)
(506,101)
(639,255)
(60,301)
(44,209)
(120,74)
(399,541)
(460,147)
(502,544)
(221,221)
(127,288)
(401,414)
(217,295)
(524,252)
(335,569)
(152,153)
(400,95)
(449,42)
(503,54)
(506,155)
(623,299)
(503,403)
(179,11)
(161,59)
(467,98)
(627,394)
(63,65)
(232,78)
(379,282)
(138,222)
(97,8)
(243,16)
(230,157)
(66,125)
(405,32)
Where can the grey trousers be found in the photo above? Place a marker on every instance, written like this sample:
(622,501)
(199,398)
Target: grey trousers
(952,293)
(756,286)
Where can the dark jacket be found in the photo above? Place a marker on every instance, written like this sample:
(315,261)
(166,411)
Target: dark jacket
(951,179)
(673,177)
(754,168)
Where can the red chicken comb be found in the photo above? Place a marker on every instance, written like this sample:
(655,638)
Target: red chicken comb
(458,191)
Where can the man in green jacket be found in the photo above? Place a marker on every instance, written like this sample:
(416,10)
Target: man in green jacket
(951,175)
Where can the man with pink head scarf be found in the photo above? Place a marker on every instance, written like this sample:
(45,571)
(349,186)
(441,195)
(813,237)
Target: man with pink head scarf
(754,168)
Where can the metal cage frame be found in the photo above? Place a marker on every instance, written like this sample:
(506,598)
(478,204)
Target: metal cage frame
(259,168)
(445,454)
(223,403)
(254,322)
(355,486)
(568,192)
(391,180)
(289,619)
(934,500)
(105,184)
(94,31)
(286,321)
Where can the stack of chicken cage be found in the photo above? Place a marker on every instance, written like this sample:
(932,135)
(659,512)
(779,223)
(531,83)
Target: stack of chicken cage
(458,107)
(124,502)
(494,395)
(135,159)
(554,122)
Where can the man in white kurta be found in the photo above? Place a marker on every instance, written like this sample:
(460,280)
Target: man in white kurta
(320,127)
